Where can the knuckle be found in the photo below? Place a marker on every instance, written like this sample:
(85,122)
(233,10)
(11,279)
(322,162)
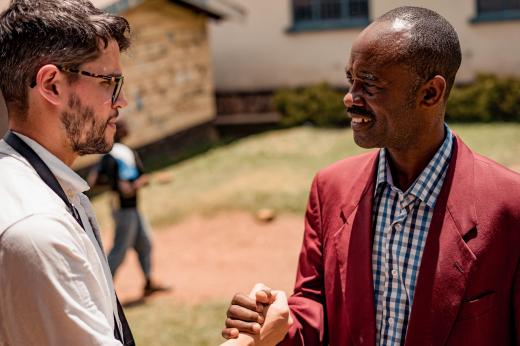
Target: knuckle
(235,298)
(234,311)
(229,322)
(229,311)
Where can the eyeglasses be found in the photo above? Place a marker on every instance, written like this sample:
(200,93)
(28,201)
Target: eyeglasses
(115,79)
(119,80)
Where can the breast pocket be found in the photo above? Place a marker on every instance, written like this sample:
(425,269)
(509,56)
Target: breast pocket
(477,307)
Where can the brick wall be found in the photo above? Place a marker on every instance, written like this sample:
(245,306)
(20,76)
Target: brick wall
(168,71)
(168,74)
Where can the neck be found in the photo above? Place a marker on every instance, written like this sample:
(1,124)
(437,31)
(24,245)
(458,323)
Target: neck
(50,140)
(406,165)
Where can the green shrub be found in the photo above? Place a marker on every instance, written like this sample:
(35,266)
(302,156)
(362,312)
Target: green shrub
(320,105)
(488,98)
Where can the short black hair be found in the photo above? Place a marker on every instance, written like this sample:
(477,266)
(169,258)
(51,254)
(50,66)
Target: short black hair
(433,47)
(34,33)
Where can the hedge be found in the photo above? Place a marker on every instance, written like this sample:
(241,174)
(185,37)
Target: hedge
(488,98)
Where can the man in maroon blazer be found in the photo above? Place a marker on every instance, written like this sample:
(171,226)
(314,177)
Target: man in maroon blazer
(415,244)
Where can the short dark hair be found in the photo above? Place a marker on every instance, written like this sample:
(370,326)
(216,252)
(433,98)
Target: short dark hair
(34,33)
(433,47)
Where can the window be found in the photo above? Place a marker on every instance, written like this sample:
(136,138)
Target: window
(490,10)
(328,14)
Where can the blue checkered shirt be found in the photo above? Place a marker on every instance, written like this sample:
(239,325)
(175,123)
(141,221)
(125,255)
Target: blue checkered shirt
(401,222)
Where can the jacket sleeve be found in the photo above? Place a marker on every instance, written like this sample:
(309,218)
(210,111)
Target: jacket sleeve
(307,302)
(516,304)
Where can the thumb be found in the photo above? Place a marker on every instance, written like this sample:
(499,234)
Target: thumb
(262,294)
(280,301)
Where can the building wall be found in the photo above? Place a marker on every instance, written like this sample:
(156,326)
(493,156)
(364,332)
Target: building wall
(256,53)
(168,74)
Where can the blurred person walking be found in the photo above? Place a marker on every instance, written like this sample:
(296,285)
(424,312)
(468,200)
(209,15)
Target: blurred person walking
(61,78)
(123,171)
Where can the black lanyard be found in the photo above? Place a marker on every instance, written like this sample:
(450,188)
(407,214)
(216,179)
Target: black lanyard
(43,171)
(50,179)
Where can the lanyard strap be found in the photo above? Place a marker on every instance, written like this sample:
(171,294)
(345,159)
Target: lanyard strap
(43,171)
(50,179)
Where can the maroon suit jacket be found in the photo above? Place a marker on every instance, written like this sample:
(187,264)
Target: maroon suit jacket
(468,288)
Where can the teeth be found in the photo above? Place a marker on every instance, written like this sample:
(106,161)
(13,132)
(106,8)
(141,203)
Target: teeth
(361,120)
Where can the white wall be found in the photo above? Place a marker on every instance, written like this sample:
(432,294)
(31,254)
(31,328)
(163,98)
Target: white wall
(256,53)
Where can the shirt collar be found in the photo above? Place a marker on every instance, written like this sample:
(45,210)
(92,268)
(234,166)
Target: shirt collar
(428,184)
(69,180)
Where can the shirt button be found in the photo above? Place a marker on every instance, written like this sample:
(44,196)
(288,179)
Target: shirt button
(391,321)
(395,273)
(398,226)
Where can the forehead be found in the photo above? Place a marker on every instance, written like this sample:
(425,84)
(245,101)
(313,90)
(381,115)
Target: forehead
(108,61)
(379,46)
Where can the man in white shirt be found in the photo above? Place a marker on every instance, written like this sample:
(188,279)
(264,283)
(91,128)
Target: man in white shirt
(61,78)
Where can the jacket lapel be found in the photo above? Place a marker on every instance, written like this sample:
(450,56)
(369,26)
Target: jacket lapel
(353,242)
(447,260)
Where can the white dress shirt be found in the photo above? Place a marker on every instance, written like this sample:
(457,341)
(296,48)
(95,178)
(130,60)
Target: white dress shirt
(55,284)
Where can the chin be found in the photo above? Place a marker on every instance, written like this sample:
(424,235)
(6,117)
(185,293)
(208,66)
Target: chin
(110,139)
(365,143)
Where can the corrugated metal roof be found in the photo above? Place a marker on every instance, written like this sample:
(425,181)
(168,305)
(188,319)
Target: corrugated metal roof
(205,6)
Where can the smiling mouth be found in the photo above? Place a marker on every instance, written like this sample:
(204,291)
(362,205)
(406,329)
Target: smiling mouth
(360,120)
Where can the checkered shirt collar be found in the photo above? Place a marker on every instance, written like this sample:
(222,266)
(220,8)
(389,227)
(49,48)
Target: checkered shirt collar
(425,187)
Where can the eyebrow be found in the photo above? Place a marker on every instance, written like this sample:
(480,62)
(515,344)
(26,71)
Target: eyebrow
(363,75)
(368,76)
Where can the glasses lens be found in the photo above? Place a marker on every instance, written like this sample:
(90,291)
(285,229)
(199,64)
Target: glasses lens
(117,90)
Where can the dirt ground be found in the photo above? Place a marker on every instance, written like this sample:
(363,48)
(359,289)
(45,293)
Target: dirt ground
(212,258)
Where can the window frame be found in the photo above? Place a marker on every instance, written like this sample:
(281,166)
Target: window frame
(493,16)
(327,24)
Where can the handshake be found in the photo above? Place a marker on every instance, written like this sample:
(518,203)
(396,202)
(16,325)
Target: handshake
(260,318)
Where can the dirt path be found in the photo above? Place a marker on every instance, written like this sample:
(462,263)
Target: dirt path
(212,258)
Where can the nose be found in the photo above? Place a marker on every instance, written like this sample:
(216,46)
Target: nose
(121,101)
(353,97)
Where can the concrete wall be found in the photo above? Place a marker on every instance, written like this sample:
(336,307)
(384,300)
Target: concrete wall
(257,53)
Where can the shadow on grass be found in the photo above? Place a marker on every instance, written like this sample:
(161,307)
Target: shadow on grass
(196,142)
(184,146)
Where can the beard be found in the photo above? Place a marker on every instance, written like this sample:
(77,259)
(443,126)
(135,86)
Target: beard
(85,133)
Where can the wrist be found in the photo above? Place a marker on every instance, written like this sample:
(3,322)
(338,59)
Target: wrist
(245,340)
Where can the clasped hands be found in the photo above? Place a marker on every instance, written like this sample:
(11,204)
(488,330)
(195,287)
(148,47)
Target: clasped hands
(261,318)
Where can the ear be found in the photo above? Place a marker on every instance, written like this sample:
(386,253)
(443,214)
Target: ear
(50,84)
(432,92)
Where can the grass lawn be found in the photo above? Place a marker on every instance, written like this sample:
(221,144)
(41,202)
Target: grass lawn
(173,324)
(268,170)
(275,169)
